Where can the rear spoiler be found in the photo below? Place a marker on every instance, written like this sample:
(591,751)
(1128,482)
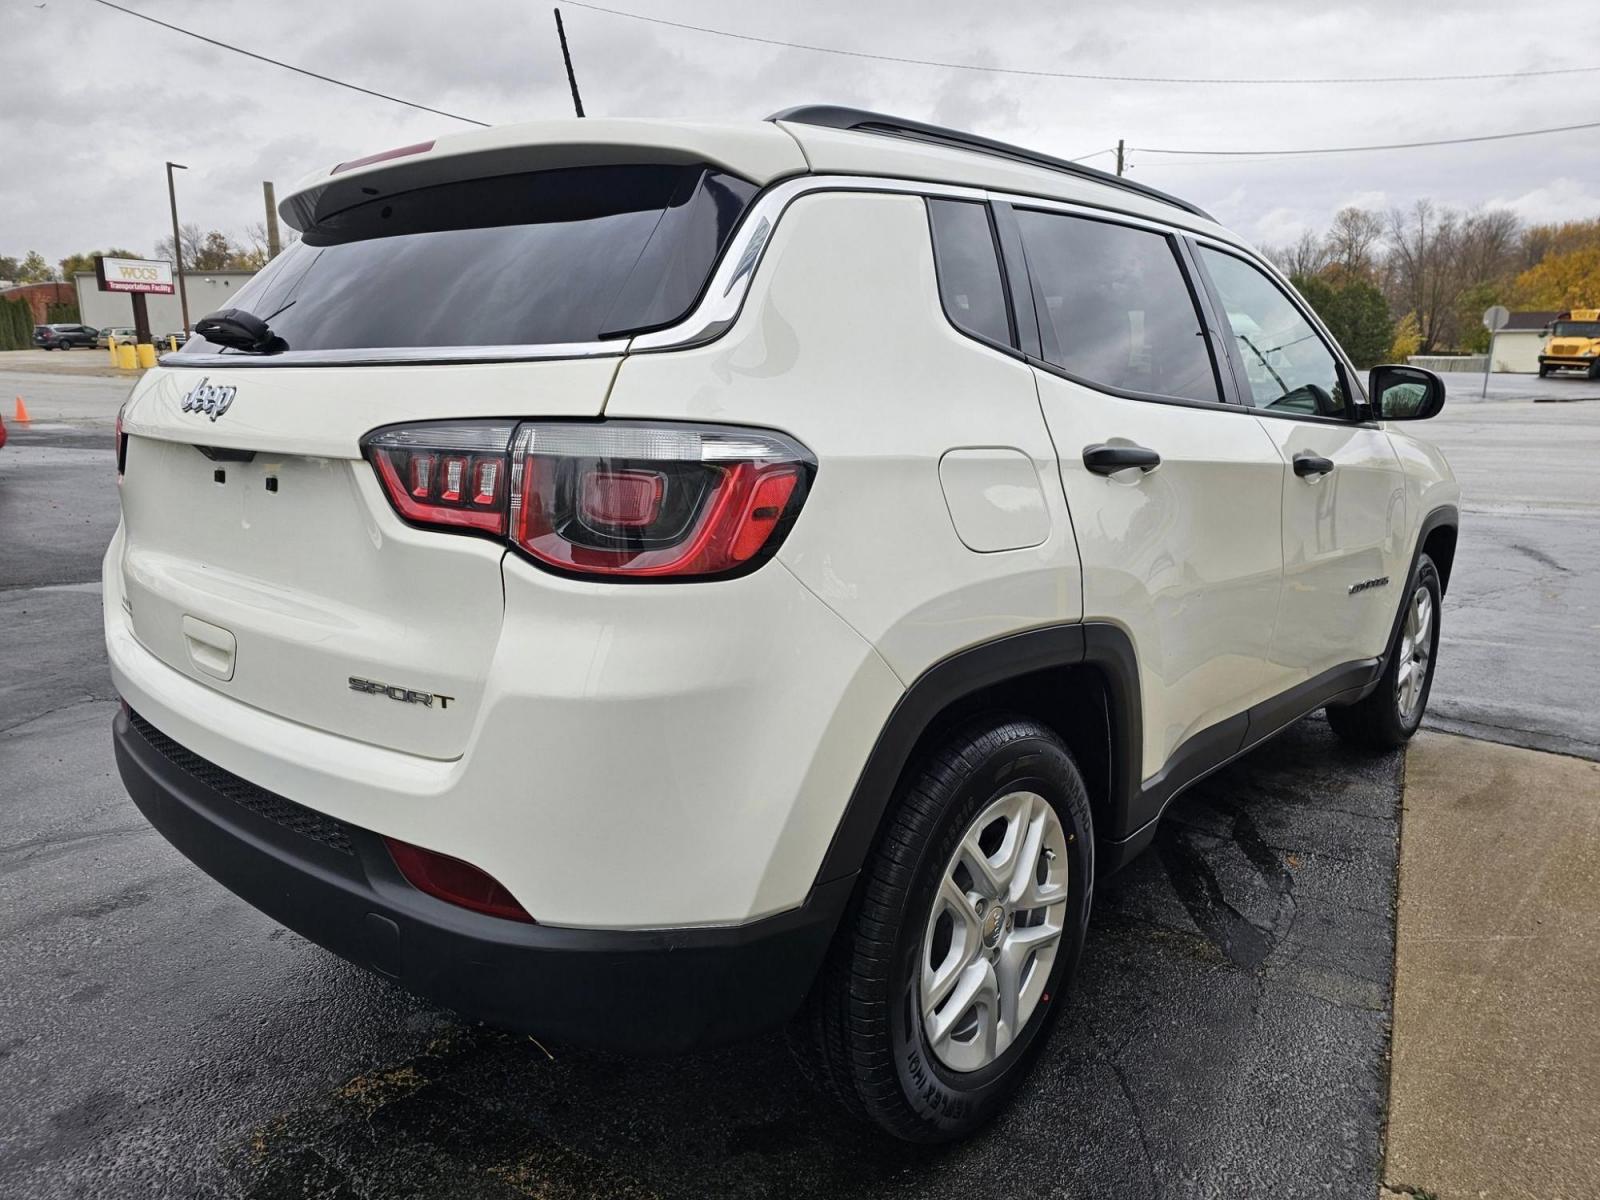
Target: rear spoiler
(753,150)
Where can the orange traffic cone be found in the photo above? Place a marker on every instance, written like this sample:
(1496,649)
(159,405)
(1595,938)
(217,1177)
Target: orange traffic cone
(22,412)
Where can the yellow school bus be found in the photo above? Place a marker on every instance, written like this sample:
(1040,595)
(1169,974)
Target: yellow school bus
(1574,343)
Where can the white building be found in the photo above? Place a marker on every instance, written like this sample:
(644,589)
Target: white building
(208,291)
(1517,346)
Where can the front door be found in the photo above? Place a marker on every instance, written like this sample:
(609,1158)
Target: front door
(1344,520)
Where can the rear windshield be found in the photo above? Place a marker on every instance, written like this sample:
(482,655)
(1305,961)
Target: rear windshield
(574,255)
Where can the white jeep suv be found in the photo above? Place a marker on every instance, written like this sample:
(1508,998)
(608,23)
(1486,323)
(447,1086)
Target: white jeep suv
(652,583)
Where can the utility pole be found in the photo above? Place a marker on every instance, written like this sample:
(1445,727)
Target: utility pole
(272,218)
(177,243)
(566,57)
(1119,156)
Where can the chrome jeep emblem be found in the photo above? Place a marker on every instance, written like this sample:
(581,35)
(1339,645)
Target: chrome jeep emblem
(209,398)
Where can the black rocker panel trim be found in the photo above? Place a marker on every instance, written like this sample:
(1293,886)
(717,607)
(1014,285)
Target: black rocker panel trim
(1134,804)
(1218,745)
(1207,751)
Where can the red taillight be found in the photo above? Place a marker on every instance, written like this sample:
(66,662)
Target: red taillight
(448,474)
(456,881)
(620,499)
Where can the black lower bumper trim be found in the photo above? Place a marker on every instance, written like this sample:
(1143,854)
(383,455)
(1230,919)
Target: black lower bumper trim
(629,991)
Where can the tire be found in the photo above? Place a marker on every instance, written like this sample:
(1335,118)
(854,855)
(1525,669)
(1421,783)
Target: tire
(863,1038)
(1543,370)
(63,345)
(1393,712)
(1594,369)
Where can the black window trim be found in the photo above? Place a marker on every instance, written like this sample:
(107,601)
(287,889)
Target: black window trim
(1010,348)
(1014,265)
(1360,413)
(1013,249)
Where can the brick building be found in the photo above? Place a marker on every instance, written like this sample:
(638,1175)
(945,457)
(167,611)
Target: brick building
(40,296)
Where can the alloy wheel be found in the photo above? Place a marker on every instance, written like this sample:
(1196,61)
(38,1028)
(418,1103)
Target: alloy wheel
(993,931)
(1416,649)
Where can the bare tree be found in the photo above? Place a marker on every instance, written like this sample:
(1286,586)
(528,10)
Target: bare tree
(255,242)
(1355,241)
(1488,245)
(1424,277)
(1305,258)
(193,241)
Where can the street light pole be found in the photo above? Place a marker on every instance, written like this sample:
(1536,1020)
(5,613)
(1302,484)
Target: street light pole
(177,244)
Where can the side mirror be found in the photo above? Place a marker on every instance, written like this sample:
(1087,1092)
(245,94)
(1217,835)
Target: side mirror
(1405,393)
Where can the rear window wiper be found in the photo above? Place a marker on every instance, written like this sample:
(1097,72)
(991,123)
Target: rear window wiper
(241,330)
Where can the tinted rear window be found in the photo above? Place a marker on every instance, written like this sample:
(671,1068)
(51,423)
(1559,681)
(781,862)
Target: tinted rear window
(1114,308)
(970,284)
(573,255)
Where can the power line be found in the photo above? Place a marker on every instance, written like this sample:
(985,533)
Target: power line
(1459,141)
(961,66)
(354,87)
(1214,154)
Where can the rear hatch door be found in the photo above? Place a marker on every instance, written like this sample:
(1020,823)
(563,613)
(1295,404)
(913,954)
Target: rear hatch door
(261,556)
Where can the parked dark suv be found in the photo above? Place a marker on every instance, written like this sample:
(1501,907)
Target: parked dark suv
(64,337)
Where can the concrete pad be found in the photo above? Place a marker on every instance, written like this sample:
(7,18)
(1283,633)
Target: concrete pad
(1496,1056)
(81,361)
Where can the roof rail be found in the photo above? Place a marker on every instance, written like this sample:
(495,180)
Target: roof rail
(834,116)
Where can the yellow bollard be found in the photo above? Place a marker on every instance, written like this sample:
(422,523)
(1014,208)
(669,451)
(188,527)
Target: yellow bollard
(127,356)
(111,345)
(147,354)
(172,343)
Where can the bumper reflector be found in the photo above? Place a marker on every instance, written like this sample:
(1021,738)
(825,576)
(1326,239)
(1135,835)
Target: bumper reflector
(457,882)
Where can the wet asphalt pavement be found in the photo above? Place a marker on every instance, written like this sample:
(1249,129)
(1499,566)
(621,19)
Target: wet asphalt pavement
(1227,1035)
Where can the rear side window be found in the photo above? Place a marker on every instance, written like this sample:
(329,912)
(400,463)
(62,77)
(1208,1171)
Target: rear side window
(1114,307)
(970,284)
(573,255)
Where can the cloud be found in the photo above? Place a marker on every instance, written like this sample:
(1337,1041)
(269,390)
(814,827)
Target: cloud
(85,135)
(1282,226)
(1562,199)
(1373,200)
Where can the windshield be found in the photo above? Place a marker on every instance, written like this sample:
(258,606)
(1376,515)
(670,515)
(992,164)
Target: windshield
(539,258)
(1582,329)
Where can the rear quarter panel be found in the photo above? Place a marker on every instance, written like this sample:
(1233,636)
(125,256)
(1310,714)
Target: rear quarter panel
(843,343)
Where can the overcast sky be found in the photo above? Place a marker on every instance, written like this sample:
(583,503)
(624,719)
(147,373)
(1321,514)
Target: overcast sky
(94,102)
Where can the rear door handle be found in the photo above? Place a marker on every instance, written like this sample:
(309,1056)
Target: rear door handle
(1311,464)
(1104,460)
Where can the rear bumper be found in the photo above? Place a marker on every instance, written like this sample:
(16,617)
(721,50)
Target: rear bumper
(641,992)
